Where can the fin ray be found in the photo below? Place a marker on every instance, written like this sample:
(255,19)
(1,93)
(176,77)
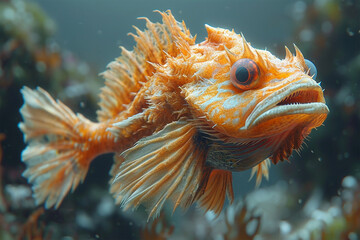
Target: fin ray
(54,165)
(261,169)
(126,74)
(166,171)
(218,185)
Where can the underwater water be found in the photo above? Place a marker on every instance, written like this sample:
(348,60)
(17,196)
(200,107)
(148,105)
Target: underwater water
(62,46)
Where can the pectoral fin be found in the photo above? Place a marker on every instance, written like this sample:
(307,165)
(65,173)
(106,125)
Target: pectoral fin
(166,165)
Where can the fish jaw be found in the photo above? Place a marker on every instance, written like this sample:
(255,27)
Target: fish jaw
(298,102)
(287,116)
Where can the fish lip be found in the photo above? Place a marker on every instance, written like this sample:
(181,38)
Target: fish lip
(268,108)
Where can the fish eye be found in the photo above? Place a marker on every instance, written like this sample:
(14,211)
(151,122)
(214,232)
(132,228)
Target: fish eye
(312,68)
(244,74)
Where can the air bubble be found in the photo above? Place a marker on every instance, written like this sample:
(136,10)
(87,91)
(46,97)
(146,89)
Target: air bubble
(350,32)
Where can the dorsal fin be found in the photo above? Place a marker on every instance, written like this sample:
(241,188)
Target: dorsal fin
(125,76)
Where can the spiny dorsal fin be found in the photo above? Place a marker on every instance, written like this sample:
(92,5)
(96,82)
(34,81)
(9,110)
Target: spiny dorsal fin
(127,73)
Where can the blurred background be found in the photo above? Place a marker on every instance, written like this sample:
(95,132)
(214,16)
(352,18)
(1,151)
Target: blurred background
(62,46)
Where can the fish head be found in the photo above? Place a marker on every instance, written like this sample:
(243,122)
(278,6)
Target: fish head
(248,96)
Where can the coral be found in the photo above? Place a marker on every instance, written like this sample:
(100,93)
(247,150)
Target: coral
(241,223)
(31,229)
(157,230)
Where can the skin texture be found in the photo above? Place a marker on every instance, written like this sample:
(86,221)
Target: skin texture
(176,120)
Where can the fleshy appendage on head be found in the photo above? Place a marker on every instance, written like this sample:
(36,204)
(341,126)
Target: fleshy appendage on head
(259,106)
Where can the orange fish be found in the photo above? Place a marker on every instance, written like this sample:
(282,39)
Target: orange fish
(179,116)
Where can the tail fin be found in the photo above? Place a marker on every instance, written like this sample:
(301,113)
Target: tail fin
(54,158)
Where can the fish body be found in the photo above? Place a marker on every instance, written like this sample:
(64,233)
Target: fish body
(179,116)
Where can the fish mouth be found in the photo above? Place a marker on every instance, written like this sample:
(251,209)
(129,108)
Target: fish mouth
(301,97)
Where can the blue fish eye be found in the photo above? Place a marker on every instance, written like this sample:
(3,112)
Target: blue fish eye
(312,68)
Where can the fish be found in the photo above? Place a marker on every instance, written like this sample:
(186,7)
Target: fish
(180,118)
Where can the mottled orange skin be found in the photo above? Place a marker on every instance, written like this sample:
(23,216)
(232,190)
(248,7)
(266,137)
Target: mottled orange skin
(171,106)
(170,90)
